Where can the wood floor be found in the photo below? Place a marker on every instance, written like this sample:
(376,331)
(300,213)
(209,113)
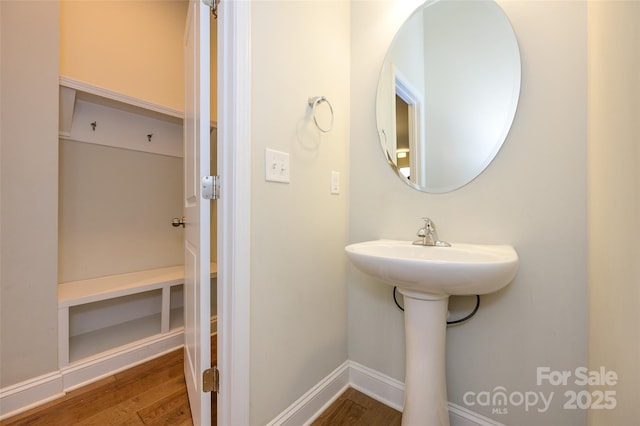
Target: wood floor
(149,394)
(155,393)
(356,408)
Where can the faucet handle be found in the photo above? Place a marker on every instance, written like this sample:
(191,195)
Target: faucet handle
(427,228)
(428,224)
(428,235)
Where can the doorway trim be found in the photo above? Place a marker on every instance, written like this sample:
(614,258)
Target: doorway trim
(234,216)
(405,90)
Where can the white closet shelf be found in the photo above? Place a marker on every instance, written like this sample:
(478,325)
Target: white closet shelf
(72,90)
(95,115)
(95,342)
(105,97)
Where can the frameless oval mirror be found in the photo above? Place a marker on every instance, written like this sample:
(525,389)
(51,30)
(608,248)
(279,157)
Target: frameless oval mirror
(448,93)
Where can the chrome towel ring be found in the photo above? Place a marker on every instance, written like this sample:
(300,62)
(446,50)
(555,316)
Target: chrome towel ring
(314,102)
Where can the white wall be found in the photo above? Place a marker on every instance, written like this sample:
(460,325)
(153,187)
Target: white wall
(29,133)
(298,230)
(533,196)
(116,207)
(614,203)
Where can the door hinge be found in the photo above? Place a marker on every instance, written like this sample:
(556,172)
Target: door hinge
(213,5)
(211,380)
(211,187)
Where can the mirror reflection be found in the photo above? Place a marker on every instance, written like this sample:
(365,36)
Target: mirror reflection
(448,92)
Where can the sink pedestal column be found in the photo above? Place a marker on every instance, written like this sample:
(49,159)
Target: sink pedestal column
(425,392)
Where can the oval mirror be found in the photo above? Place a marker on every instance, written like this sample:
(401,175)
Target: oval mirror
(448,93)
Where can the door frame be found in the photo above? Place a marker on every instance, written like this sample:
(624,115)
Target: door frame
(234,216)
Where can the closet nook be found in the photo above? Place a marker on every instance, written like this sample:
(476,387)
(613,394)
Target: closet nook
(119,299)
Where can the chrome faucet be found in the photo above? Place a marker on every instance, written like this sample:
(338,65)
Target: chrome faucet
(429,236)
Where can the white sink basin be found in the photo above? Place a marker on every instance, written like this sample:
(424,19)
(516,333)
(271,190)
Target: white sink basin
(462,269)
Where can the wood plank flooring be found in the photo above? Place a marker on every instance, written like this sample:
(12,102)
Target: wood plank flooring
(155,393)
(126,398)
(354,408)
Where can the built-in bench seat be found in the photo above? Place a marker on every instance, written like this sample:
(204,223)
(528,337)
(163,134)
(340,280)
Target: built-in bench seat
(88,291)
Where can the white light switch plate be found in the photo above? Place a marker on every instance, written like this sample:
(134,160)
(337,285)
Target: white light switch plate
(335,182)
(276,166)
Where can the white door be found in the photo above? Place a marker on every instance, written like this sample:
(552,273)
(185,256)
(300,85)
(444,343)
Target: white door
(196,211)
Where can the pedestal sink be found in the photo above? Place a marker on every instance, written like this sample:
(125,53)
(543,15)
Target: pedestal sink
(426,276)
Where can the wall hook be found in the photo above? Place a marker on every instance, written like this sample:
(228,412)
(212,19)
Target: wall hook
(93,125)
(149,136)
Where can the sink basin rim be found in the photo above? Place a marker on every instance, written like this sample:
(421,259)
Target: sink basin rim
(462,269)
(490,252)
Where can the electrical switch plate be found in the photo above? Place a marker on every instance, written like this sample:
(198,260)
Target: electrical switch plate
(276,166)
(335,182)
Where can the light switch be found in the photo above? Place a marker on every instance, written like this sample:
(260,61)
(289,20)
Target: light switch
(276,166)
(335,182)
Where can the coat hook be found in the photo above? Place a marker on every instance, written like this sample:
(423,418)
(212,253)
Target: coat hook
(93,125)
(149,136)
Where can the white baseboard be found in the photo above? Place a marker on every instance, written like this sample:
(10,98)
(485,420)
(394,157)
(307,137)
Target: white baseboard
(31,393)
(460,416)
(92,369)
(378,386)
(40,390)
(23,396)
(308,407)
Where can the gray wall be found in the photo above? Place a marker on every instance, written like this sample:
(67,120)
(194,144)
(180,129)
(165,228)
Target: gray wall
(29,194)
(533,196)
